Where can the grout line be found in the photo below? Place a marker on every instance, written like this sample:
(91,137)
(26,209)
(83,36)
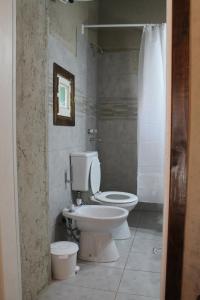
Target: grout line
(117,291)
(138,270)
(91,288)
(45,290)
(131,294)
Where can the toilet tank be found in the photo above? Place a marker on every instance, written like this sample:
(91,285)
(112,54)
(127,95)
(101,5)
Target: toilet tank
(80,168)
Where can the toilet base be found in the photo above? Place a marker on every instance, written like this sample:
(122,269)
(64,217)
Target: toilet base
(97,247)
(121,232)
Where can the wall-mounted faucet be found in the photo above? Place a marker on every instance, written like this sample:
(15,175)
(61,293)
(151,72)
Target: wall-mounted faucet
(92,131)
(93,135)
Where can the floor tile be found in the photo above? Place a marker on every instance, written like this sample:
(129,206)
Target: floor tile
(146,245)
(140,283)
(144,261)
(51,291)
(134,218)
(101,281)
(151,220)
(124,296)
(148,234)
(97,277)
(125,245)
(145,206)
(67,292)
(132,231)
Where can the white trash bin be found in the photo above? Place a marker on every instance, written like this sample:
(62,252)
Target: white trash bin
(63,259)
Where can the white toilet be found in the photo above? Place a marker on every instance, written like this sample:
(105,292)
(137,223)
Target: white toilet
(86,175)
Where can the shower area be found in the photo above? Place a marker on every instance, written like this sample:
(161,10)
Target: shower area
(117,116)
(131,110)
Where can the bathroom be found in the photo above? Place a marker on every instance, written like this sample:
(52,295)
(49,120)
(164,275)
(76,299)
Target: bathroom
(105,65)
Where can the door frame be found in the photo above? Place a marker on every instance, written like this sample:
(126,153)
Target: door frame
(178,147)
(10,266)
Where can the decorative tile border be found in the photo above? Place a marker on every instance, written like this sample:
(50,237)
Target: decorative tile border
(117,108)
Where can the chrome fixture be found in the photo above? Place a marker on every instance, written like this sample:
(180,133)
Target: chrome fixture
(92,131)
(93,135)
(96,26)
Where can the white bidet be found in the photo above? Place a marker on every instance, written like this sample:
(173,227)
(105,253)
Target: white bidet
(96,224)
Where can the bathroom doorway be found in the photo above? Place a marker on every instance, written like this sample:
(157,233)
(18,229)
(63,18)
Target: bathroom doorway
(103,56)
(144,221)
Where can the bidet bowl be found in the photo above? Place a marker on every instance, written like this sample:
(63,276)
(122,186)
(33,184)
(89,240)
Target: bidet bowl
(96,218)
(96,224)
(122,231)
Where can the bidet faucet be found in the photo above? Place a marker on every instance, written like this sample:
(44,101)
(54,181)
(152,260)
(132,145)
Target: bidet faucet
(71,208)
(79,200)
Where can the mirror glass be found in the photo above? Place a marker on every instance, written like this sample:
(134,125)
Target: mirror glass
(63,97)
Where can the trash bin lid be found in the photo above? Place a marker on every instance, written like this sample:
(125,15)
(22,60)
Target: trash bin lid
(64,248)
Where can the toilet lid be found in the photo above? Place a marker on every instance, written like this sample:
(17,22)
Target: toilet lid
(95,175)
(116,197)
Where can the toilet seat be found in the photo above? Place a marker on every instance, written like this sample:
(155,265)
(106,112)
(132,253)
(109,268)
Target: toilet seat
(95,175)
(116,197)
(109,197)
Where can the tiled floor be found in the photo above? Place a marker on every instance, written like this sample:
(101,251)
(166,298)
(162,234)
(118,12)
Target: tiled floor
(135,276)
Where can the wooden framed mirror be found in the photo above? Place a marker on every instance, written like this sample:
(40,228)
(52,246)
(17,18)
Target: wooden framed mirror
(63,97)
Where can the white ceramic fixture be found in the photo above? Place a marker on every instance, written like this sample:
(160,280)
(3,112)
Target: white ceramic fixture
(86,172)
(96,224)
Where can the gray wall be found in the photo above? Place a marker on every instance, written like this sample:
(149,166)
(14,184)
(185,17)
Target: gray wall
(117,120)
(128,11)
(38,46)
(31,145)
(76,56)
(117,89)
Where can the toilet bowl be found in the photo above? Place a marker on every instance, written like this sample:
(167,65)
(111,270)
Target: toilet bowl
(87,176)
(96,224)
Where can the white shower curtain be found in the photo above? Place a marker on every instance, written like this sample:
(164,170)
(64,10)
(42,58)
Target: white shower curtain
(151,114)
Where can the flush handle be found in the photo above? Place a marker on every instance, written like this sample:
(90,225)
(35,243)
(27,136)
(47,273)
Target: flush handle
(68,180)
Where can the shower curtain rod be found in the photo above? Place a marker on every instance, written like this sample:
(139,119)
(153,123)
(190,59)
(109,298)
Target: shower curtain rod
(83,27)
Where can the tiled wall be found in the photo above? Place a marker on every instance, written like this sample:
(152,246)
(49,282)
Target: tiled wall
(117,119)
(64,139)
